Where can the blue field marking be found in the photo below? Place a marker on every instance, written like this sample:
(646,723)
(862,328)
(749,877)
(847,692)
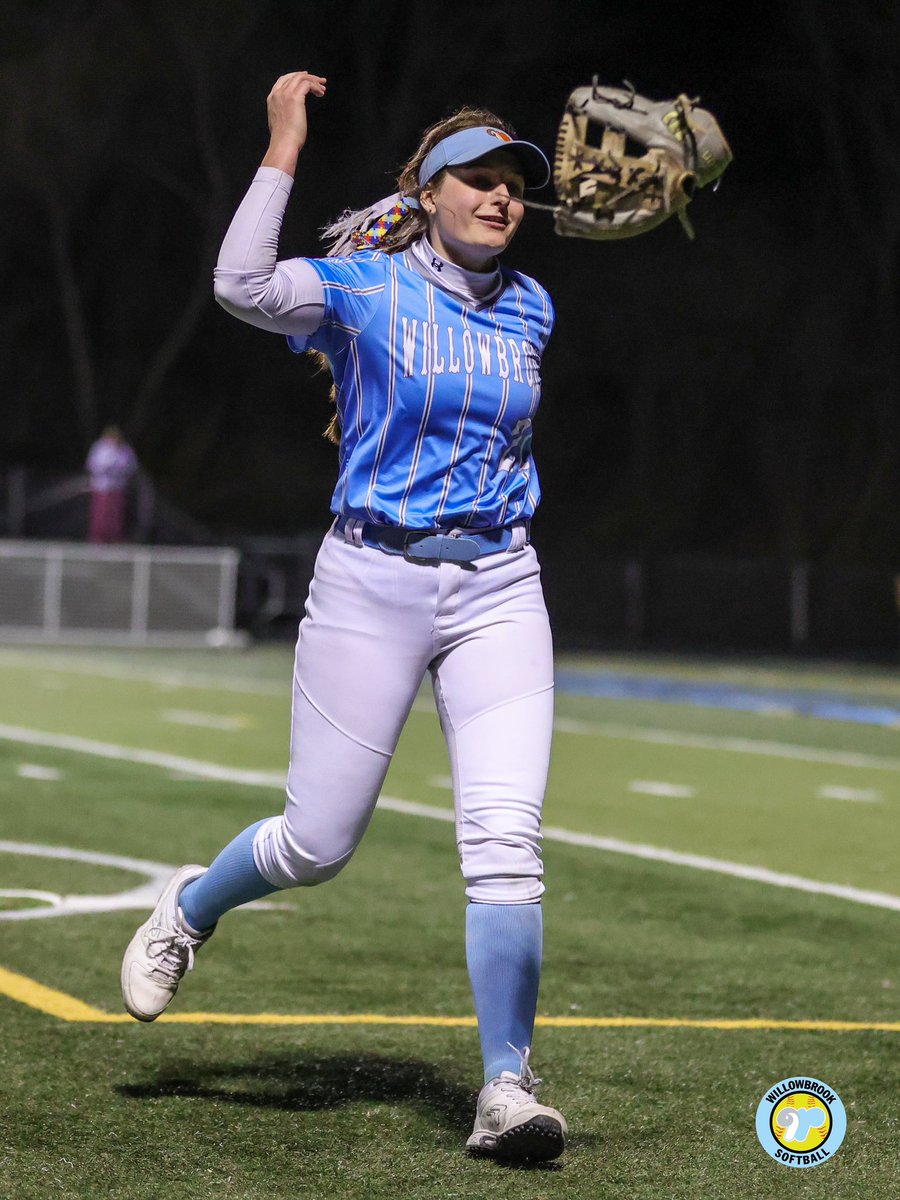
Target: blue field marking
(829,706)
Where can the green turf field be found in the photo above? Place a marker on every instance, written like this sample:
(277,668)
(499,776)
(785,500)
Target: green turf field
(722,912)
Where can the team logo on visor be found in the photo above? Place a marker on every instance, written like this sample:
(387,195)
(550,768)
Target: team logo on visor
(498,133)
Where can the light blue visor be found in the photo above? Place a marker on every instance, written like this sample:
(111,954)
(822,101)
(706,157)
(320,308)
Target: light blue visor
(470,144)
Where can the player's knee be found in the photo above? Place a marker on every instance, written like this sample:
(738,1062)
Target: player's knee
(503,869)
(287,862)
(505,889)
(304,871)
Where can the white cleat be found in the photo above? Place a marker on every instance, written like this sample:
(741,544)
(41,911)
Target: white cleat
(511,1125)
(161,952)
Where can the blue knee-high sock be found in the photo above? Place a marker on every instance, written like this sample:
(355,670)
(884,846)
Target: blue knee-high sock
(232,879)
(503,952)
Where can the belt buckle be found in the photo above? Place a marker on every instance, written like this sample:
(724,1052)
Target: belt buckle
(440,547)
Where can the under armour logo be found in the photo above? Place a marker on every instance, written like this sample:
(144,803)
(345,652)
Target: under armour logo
(437,264)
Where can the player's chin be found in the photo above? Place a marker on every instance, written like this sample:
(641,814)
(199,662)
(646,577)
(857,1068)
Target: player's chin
(495,235)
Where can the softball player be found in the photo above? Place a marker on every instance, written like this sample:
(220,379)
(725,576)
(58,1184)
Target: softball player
(435,353)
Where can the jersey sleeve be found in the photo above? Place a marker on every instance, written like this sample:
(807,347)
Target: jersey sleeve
(353,288)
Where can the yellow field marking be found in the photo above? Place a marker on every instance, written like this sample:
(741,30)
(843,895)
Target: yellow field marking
(47,1000)
(67,1008)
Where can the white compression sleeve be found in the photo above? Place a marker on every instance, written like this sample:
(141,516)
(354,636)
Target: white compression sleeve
(283,297)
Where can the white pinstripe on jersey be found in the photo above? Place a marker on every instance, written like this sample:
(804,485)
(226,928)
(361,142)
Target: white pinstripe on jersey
(457,440)
(495,427)
(426,410)
(390,395)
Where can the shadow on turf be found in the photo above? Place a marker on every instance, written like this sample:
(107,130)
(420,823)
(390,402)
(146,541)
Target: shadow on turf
(307,1083)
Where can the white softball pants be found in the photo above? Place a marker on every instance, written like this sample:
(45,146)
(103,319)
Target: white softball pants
(374,624)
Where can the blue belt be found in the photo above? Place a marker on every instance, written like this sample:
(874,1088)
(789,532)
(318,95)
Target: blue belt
(419,545)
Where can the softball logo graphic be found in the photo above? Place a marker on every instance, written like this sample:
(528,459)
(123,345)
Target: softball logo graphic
(801,1122)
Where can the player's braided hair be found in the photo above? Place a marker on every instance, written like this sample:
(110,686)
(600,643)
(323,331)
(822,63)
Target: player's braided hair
(413,223)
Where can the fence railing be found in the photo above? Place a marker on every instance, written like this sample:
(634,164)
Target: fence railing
(69,593)
(705,602)
(690,602)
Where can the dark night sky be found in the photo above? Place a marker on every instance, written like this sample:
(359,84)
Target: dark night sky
(737,394)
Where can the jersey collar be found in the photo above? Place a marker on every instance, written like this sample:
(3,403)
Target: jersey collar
(475,288)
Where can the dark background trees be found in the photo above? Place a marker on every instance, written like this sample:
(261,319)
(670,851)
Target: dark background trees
(737,394)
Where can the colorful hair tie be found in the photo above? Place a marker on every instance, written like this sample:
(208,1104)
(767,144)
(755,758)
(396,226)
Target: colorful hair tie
(371,238)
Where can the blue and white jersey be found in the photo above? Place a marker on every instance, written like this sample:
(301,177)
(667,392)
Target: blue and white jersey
(435,397)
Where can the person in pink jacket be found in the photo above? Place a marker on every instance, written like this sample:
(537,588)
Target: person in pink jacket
(111,463)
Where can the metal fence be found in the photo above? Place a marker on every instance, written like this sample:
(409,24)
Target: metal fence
(70,593)
(679,602)
(691,603)
(719,604)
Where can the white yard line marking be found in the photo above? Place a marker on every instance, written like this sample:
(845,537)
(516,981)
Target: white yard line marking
(187,777)
(148,758)
(163,678)
(275,779)
(861,795)
(667,737)
(52,898)
(704,741)
(155,874)
(204,720)
(441,781)
(144,896)
(698,862)
(34,771)
(701,862)
(652,787)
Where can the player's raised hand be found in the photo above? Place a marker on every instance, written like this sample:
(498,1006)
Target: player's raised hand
(287,117)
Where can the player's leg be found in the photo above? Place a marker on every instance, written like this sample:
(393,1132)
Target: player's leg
(333,784)
(362,651)
(494,689)
(493,684)
(231,880)
(334,779)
